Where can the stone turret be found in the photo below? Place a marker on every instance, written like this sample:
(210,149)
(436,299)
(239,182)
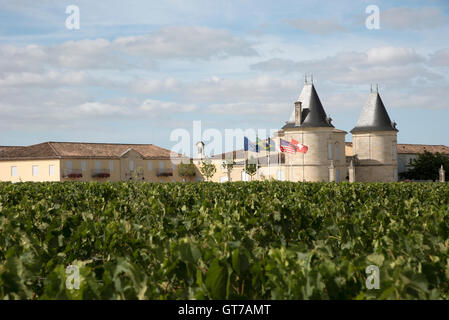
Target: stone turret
(310,126)
(374,142)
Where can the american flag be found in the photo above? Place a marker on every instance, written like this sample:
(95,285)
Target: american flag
(287,147)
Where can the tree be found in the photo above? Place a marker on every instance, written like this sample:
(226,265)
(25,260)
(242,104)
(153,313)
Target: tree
(251,167)
(207,169)
(228,165)
(426,167)
(186,169)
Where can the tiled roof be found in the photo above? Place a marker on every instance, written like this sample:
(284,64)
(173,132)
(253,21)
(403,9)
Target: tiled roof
(410,148)
(238,154)
(51,150)
(4,148)
(420,148)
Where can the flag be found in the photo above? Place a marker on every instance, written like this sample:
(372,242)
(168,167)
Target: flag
(302,148)
(249,146)
(271,145)
(261,145)
(299,147)
(267,145)
(287,147)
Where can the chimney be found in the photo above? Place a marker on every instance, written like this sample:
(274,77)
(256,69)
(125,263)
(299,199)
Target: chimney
(298,113)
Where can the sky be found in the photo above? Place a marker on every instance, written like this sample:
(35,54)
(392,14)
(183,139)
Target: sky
(135,71)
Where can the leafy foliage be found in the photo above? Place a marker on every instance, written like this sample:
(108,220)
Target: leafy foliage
(251,167)
(207,169)
(426,167)
(228,165)
(258,240)
(186,169)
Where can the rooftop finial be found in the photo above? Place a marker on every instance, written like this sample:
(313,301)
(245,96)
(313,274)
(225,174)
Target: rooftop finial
(377,87)
(371,90)
(305,78)
(311,77)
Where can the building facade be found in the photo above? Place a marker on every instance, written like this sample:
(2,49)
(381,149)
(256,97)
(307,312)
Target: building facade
(373,155)
(71,161)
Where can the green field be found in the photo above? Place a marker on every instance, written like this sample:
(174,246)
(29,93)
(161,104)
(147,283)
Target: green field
(256,240)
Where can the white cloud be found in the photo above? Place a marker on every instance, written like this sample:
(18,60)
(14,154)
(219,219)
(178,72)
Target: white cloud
(156,107)
(434,97)
(48,79)
(392,56)
(131,52)
(186,42)
(440,58)
(152,86)
(412,18)
(386,64)
(224,90)
(317,26)
(248,108)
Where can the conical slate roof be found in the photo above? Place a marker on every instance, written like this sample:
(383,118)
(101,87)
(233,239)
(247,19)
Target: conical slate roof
(374,116)
(313,114)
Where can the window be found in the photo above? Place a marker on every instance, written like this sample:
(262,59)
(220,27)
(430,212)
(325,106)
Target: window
(68,164)
(97,164)
(83,165)
(401,166)
(51,170)
(13,171)
(131,165)
(337,175)
(150,165)
(244,176)
(336,151)
(35,171)
(111,165)
(161,165)
(394,152)
(329,151)
(395,174)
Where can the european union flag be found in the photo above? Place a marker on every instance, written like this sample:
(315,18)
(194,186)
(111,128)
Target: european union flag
(249,146)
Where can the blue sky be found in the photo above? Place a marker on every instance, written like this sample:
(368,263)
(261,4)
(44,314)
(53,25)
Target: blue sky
(137,70)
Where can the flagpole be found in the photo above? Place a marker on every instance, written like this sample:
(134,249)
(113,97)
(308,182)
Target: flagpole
(269,172)
(303,158)
(290,171)
(257,156)
(244,165)
(279,161)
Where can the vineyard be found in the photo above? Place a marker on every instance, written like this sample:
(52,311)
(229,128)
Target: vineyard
(257,240)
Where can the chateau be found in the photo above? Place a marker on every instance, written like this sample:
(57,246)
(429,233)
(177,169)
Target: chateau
(372,156)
